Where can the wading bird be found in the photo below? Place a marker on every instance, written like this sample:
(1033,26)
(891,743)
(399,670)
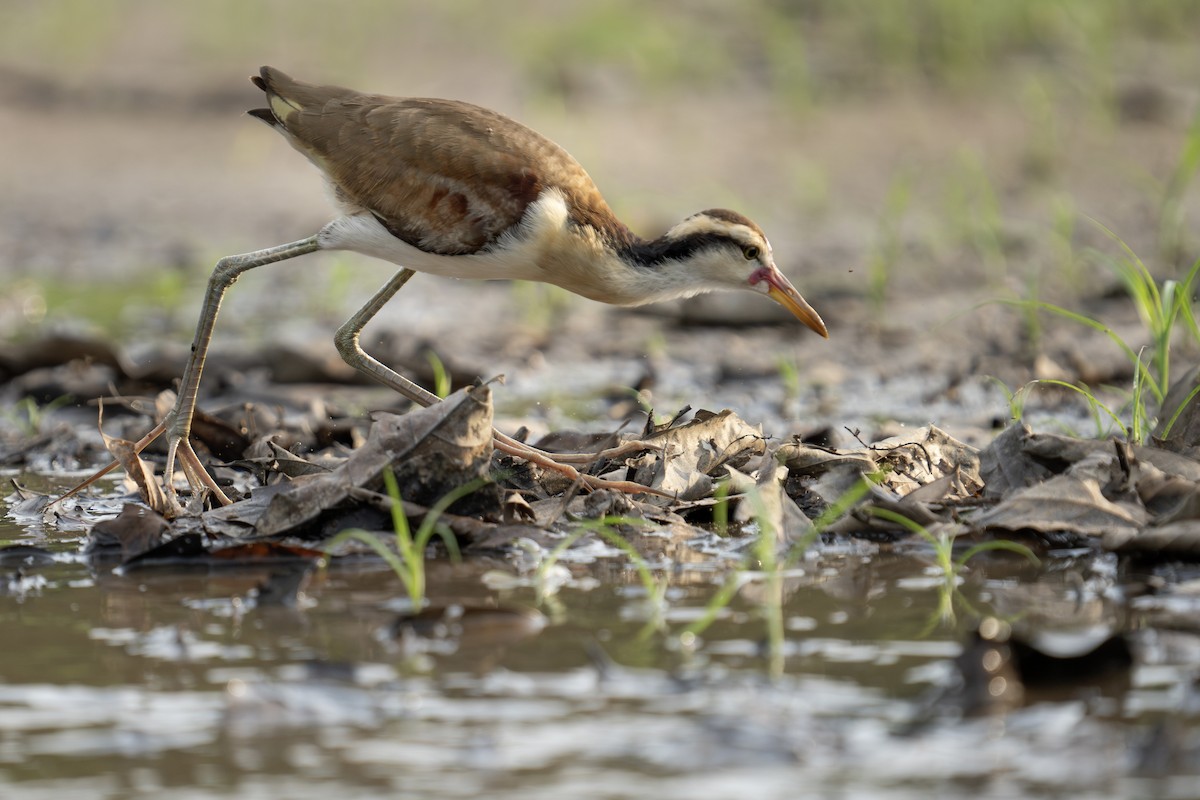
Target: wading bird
(452,189)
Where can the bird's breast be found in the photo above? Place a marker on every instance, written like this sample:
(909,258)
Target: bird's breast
(545,246)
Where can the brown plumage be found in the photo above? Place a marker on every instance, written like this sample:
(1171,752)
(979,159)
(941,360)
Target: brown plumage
(445,176)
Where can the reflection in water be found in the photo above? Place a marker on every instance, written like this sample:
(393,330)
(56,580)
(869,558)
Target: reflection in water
(166,678)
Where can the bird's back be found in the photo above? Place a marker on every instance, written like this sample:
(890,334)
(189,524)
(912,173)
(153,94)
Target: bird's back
(445,176)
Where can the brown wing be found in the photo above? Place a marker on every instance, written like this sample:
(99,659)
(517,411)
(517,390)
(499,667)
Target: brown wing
(445,176)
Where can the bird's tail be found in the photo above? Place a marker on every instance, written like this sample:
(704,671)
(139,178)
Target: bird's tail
(287,96)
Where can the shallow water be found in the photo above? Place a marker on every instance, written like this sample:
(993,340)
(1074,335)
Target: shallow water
(174,680)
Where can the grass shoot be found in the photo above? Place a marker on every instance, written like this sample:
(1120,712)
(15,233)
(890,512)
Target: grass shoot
(407,560)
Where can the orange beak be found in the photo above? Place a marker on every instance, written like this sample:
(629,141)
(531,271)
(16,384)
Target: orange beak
(771,282)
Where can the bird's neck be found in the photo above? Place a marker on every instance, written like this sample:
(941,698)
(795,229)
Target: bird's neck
(665,268)
(584,248)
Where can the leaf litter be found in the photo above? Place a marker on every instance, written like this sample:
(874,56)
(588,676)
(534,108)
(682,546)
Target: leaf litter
(300,481)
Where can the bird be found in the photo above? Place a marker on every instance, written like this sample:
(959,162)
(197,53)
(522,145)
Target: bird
(453,189)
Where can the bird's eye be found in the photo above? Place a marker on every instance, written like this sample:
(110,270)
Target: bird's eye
(750,252)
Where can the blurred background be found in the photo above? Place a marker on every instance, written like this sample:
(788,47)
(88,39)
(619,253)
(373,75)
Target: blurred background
(907,159)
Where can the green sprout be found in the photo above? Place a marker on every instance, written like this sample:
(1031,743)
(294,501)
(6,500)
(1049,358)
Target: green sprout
(441,376)
(766,561)
(604,527)
(1162,308)
(1018,399)
(951,567)
(720,510)
(408,559)
(30,417)
(789,376)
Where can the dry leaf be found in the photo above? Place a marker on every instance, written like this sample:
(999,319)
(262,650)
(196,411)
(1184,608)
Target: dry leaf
(433,450)
(138,471)
(923,456)
(1063,504)
(688,456)
(1005,466)
(136,529)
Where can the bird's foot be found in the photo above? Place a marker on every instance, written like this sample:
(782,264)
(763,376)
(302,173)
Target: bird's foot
(201,483)
(179,445)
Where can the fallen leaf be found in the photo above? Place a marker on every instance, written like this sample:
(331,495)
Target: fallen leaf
(137,470)
(808,459)
(923,456)
(688,456)
(1182,412)
(266,456)
(1059,452)
(1167,497)
(433,450)
(1063,504)
(766,503)
(1005,465)
(135,530)
(517,508)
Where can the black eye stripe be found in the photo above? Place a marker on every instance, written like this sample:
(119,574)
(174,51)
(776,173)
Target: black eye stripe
(649,254)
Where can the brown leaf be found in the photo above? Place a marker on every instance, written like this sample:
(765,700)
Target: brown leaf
(923,456)
(267,456)
(808,459)
(1184,436)
(1059,452)
(137,470)
(1063,504)
(517,508)
(768,499)
(1005,465)
(433,451)
(1168,497)
(136,529)
(688,456)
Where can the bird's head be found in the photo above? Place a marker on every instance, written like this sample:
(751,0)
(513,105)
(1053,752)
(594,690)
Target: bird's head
(728,251)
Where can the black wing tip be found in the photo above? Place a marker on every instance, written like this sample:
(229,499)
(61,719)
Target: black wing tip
(267,78)
(265,115)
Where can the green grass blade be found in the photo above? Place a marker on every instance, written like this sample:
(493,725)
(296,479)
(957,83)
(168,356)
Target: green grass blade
(998,544)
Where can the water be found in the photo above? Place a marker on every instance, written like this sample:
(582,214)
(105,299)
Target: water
(174,681)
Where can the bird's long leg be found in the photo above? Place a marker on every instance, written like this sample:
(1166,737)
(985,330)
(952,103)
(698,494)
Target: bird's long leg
(349,346)
(178,423)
